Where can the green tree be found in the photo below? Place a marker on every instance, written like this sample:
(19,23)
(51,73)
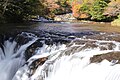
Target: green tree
(96,11)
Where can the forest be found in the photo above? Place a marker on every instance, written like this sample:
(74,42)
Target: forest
(14,11)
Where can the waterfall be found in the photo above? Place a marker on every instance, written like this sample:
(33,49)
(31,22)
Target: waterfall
(11,59)
(39,58)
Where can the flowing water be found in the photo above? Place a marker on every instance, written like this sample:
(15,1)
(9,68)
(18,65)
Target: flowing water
(50,55)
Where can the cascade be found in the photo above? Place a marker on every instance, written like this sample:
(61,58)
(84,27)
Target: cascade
(12,58)
(66,58)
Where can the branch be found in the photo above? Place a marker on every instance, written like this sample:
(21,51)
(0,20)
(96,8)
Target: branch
(5,6)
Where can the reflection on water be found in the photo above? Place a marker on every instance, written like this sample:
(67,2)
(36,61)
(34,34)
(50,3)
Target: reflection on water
(61,27)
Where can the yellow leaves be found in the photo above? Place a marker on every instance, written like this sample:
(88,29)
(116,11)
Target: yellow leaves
(77,7)
(85,1)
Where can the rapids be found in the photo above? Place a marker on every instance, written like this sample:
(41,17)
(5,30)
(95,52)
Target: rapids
(31,56)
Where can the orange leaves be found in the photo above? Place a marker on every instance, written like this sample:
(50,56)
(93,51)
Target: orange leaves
(75,8)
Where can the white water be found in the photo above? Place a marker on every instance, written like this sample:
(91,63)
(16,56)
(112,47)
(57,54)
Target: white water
(64,63)
(77,66)
(11,60)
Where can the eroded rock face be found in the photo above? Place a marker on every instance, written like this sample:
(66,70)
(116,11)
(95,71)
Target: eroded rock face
(108,36)
(32,48)
(37,63)
(112,57)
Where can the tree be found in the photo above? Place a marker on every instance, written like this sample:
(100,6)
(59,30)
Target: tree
(93,9)
(20,10)
(96,11)
(64,7)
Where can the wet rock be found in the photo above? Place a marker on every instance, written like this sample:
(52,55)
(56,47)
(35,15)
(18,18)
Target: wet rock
(49,42)
(72,50)
(105,36)
(2,42)
(89,45)
(107,46)
(23,38)
(103,48)
(108,56)
(82,42)
(62,41)
(78,45)
(32,48)
(37,63)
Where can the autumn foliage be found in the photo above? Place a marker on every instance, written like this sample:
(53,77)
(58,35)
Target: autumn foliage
(75,8)
(20,10)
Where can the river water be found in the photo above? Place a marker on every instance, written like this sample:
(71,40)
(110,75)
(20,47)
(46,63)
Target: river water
(59,51)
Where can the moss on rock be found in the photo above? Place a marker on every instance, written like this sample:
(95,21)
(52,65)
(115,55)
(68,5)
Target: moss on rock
(116,22)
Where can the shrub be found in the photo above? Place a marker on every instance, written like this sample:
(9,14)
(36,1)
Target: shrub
(85,8)
(116,22)
(96,11)
(119,16)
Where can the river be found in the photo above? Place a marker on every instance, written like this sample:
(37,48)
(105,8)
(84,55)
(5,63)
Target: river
(59,51)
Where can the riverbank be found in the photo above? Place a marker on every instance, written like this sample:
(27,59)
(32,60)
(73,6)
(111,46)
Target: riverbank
(69,18)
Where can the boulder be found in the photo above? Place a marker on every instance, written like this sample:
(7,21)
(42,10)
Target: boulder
(64,17)
(111,56)
(57,18)
(83,16)
(30,51)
